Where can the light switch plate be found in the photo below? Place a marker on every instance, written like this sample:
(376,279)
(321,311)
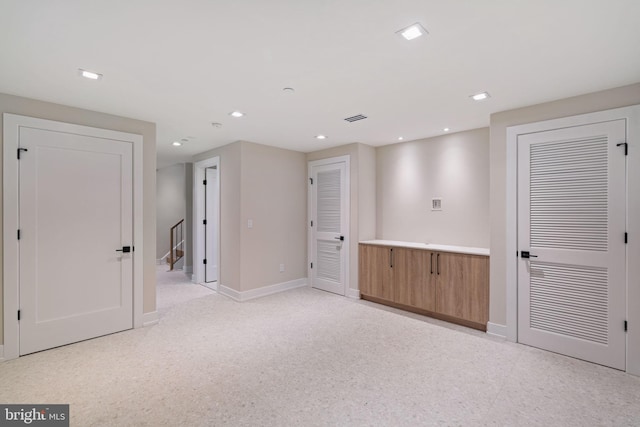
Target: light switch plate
(250,223)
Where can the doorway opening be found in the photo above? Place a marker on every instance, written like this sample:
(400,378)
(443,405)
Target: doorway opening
(206,224)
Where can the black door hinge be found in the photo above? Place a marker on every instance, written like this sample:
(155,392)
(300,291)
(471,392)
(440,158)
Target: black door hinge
(18,234)
(625,326)
(204,182)
(18,314)
(312,223)
(311,181)
(21,150)
(204,261)
(311,265)
(626,147)
(204,221)
(626,237)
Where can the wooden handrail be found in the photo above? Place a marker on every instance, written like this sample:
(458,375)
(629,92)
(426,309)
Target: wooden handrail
(177,244)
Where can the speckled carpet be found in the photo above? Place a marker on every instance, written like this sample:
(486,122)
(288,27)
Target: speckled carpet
(310,358)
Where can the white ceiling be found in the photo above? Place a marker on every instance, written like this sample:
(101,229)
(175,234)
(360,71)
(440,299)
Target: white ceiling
(185,64)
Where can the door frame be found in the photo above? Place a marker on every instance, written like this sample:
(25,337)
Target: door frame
(198,216)
(12,124)
(632,117)
(347,232)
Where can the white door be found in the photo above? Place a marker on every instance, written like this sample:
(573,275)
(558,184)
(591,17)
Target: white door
(329,221)
(211,225)
(571,221)
(75,219)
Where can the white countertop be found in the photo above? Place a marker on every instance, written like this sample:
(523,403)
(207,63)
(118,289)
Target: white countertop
(430,246)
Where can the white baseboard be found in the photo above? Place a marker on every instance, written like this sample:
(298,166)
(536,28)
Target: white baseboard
(261,292)
(1,353)
(497,330)
(353,293)
(149,319)
(211,285)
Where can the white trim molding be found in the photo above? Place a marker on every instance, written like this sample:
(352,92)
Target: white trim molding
(632,116)
(261,292)
(497,330)
(11,134)
(150,319)
(353,293)
(1,353)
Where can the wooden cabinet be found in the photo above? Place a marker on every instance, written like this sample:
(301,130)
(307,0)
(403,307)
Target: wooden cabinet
(375,271)
(462,289)
(445,285)
(413,283)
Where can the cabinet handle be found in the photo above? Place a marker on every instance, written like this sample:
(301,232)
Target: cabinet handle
(431,262)
(391,257)
(438,264)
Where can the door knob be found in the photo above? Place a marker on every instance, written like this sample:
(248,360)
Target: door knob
(526,255)
(125,249)
(341,238)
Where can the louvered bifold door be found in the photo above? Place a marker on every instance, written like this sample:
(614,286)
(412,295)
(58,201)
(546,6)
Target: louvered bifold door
(329,218)
(571,221)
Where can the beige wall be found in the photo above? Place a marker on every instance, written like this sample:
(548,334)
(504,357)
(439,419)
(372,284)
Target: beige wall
(454,167)
(49,111)
(274,197)
(362,197)
(171,199)
(619,97)
(267,185)
(230,190)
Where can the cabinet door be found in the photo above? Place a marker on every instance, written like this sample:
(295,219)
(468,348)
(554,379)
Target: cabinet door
(375,271)
(462,286)
(413,282)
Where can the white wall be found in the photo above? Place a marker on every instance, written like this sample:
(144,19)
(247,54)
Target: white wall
(171,202)
(454,167)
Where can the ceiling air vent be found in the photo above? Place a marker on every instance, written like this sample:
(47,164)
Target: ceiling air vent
(355,118)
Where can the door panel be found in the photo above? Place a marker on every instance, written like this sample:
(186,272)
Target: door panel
(329,231)
(376,274)
(413,279)
(211,226)
(75,211)
(571,219)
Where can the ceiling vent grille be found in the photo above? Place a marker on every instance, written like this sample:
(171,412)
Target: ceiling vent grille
(356,118)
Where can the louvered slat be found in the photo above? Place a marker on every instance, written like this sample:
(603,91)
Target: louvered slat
(328,261)
(328,203)
(568,194)
(570,300)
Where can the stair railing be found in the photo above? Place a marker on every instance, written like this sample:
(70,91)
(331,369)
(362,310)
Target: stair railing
(177,244)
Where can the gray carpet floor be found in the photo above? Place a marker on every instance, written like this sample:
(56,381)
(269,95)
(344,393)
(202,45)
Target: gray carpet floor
(310,358)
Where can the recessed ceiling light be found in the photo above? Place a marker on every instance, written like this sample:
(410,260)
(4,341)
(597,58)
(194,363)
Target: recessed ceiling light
(176,143)
(446,129)
(412,31)
(89,74)
(216,125)
(480,96)
(236,114)
(400,138)
(288,90)
(321,137)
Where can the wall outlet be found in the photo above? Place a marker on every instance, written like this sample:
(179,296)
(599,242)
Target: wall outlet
(436,204)
(281,268)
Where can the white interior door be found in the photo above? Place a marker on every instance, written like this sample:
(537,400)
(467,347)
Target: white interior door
(571,221)
(211,224)
(329,225)
(75,212)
